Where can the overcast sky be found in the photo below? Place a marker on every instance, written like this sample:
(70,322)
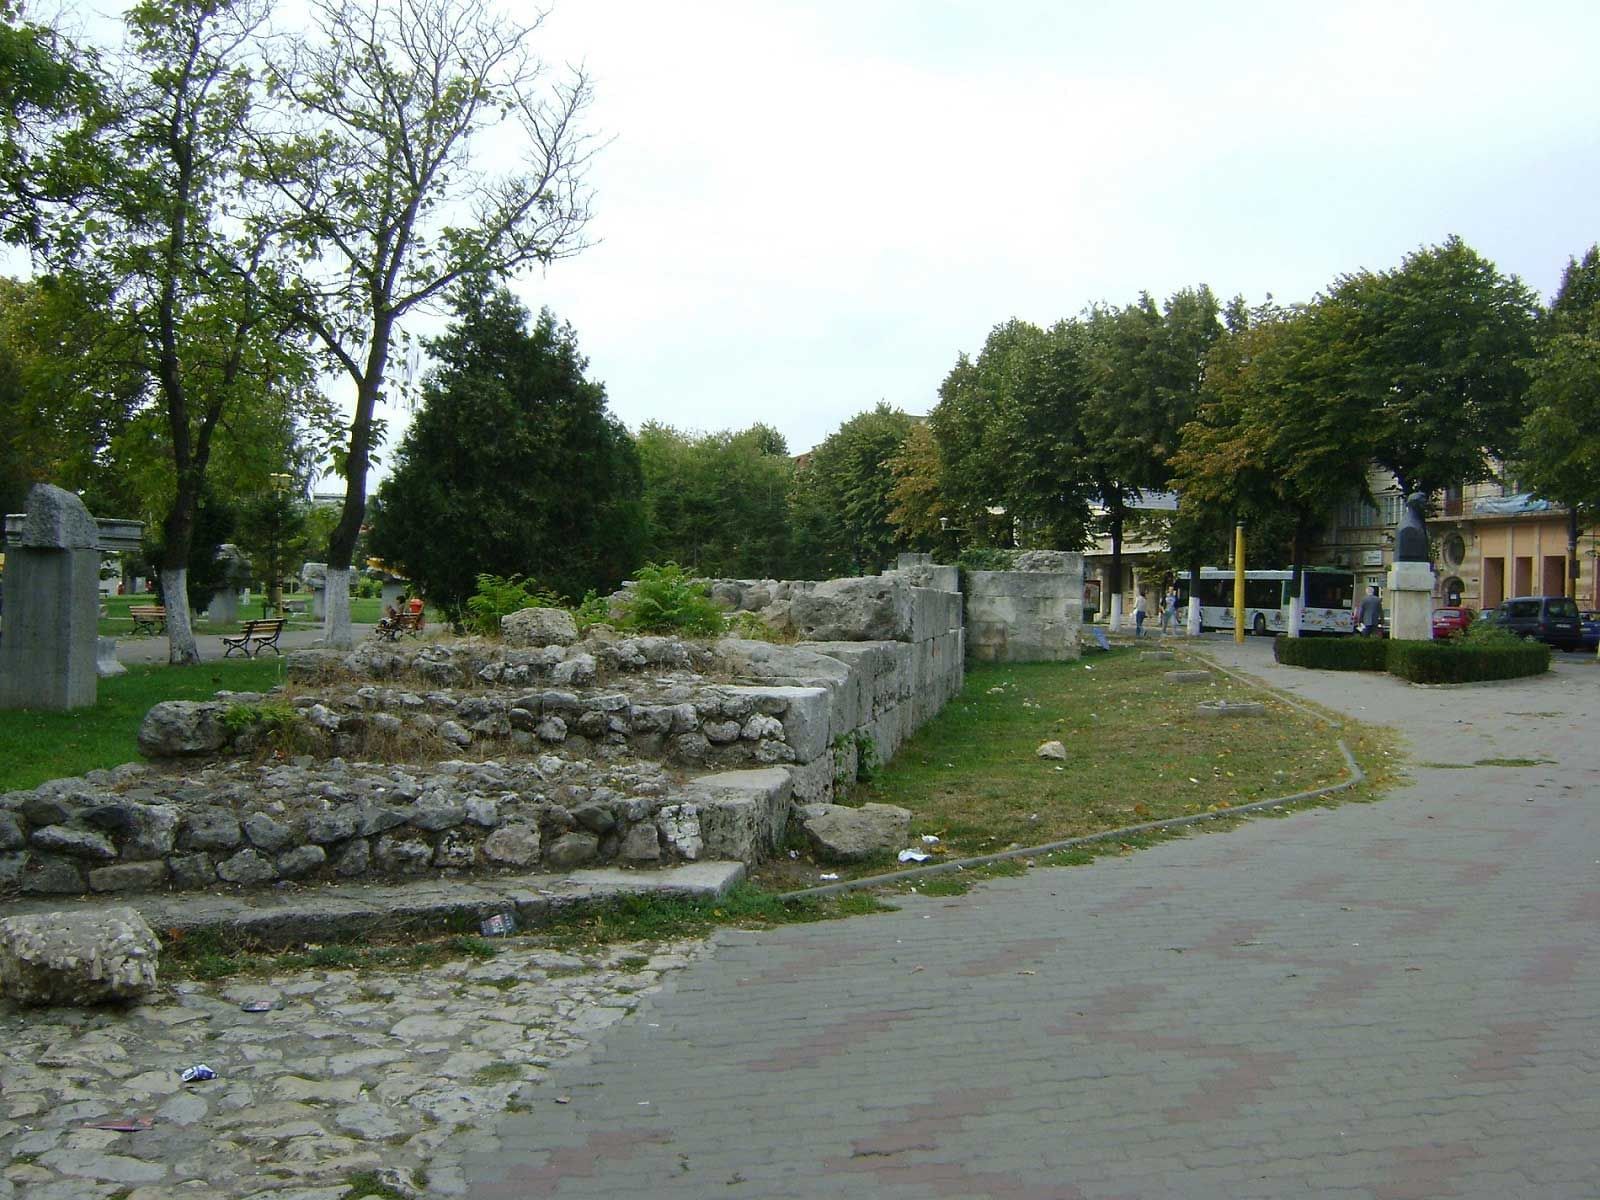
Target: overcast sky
(809,207)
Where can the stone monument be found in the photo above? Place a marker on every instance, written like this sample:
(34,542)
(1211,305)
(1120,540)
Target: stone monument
(53,554)
(47,656)
(1411,575)
(236,574)
(315,577)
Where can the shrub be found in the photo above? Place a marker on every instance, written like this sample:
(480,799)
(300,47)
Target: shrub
(1331,654)
(500,596)
(1464,660)
(666,600)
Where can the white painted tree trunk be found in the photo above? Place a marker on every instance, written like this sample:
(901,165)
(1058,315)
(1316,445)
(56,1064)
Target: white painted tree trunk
(1194,616)
(1296,614)
(182,650)
(336,632)
(1116,611)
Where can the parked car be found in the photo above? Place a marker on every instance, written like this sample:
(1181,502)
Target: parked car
(1589,628)
(1447,621)
(1552,620)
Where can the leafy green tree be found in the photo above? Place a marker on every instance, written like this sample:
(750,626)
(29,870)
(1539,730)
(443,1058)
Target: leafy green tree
(1435,352)
(1559,452)
(52,101)
(273,530)
(1276,438)
(384,182)
(717,503)
(513,465)
(164,239)
(1146,367)
(841,501)
(1007,427)
(917,504)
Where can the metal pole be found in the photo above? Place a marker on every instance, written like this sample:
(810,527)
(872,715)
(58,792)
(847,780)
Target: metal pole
(1238,582)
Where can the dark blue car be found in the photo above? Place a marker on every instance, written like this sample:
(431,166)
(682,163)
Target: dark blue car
(1589,628)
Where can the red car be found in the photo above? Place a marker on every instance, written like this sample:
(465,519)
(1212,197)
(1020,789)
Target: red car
(1449,621)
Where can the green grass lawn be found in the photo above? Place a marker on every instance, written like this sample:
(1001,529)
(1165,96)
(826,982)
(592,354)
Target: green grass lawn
(49,745)
(1136,751)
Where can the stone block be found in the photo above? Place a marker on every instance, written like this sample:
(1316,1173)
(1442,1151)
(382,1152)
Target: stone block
(539,627)
(871,609)
(806,714)
(82,958)
(175,728)
(743,814)
(841,834)
(129,877)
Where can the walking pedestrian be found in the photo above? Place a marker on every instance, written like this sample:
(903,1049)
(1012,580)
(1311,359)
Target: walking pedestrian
(1138,615)
(1169,611)
(1369,614)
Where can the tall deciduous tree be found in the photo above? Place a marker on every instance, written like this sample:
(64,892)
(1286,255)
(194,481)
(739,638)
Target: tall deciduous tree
(50,102)
(1559,451)
(1435,351)
(166,240)
(1147,366)
(393,108)
(513,465)
(1278,435)
(717,503)
(841,497)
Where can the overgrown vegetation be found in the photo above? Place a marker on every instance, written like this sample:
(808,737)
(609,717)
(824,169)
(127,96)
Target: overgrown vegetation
(664,599)
(501,595)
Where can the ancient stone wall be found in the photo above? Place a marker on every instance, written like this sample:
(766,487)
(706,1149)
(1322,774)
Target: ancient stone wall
(1031,614)
(469,755)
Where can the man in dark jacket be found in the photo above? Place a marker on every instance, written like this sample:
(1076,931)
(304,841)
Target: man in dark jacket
(1369,615)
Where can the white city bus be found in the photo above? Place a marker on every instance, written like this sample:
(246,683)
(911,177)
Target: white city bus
(1327,598)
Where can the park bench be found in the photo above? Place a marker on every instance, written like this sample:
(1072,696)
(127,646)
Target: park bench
(148,618)
(390,628)
(255,637)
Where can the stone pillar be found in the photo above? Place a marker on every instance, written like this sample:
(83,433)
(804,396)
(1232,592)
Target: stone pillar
(224,607)
(1411,601)
(52,590)
(315,577)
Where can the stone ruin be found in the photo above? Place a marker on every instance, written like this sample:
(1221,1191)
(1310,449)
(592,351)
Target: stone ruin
(457,756)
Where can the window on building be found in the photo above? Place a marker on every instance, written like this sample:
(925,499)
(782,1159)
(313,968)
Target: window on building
(1358,512)
(1393,505)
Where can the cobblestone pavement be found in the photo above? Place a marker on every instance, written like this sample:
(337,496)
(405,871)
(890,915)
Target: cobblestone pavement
(349,1074)
(1390,1001)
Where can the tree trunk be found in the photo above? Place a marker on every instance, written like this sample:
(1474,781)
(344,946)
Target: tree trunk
(181,648)
(178,535)
(1296,570)
(336,632)
(1115,527)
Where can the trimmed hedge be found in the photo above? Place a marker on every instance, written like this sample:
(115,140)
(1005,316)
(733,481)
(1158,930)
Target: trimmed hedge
(1443,660)
(1331,653)
(1455,660)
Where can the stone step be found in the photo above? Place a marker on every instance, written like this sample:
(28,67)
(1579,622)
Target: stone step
(284,917)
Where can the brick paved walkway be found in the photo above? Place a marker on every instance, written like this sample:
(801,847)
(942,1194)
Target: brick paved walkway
(1392,1001)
